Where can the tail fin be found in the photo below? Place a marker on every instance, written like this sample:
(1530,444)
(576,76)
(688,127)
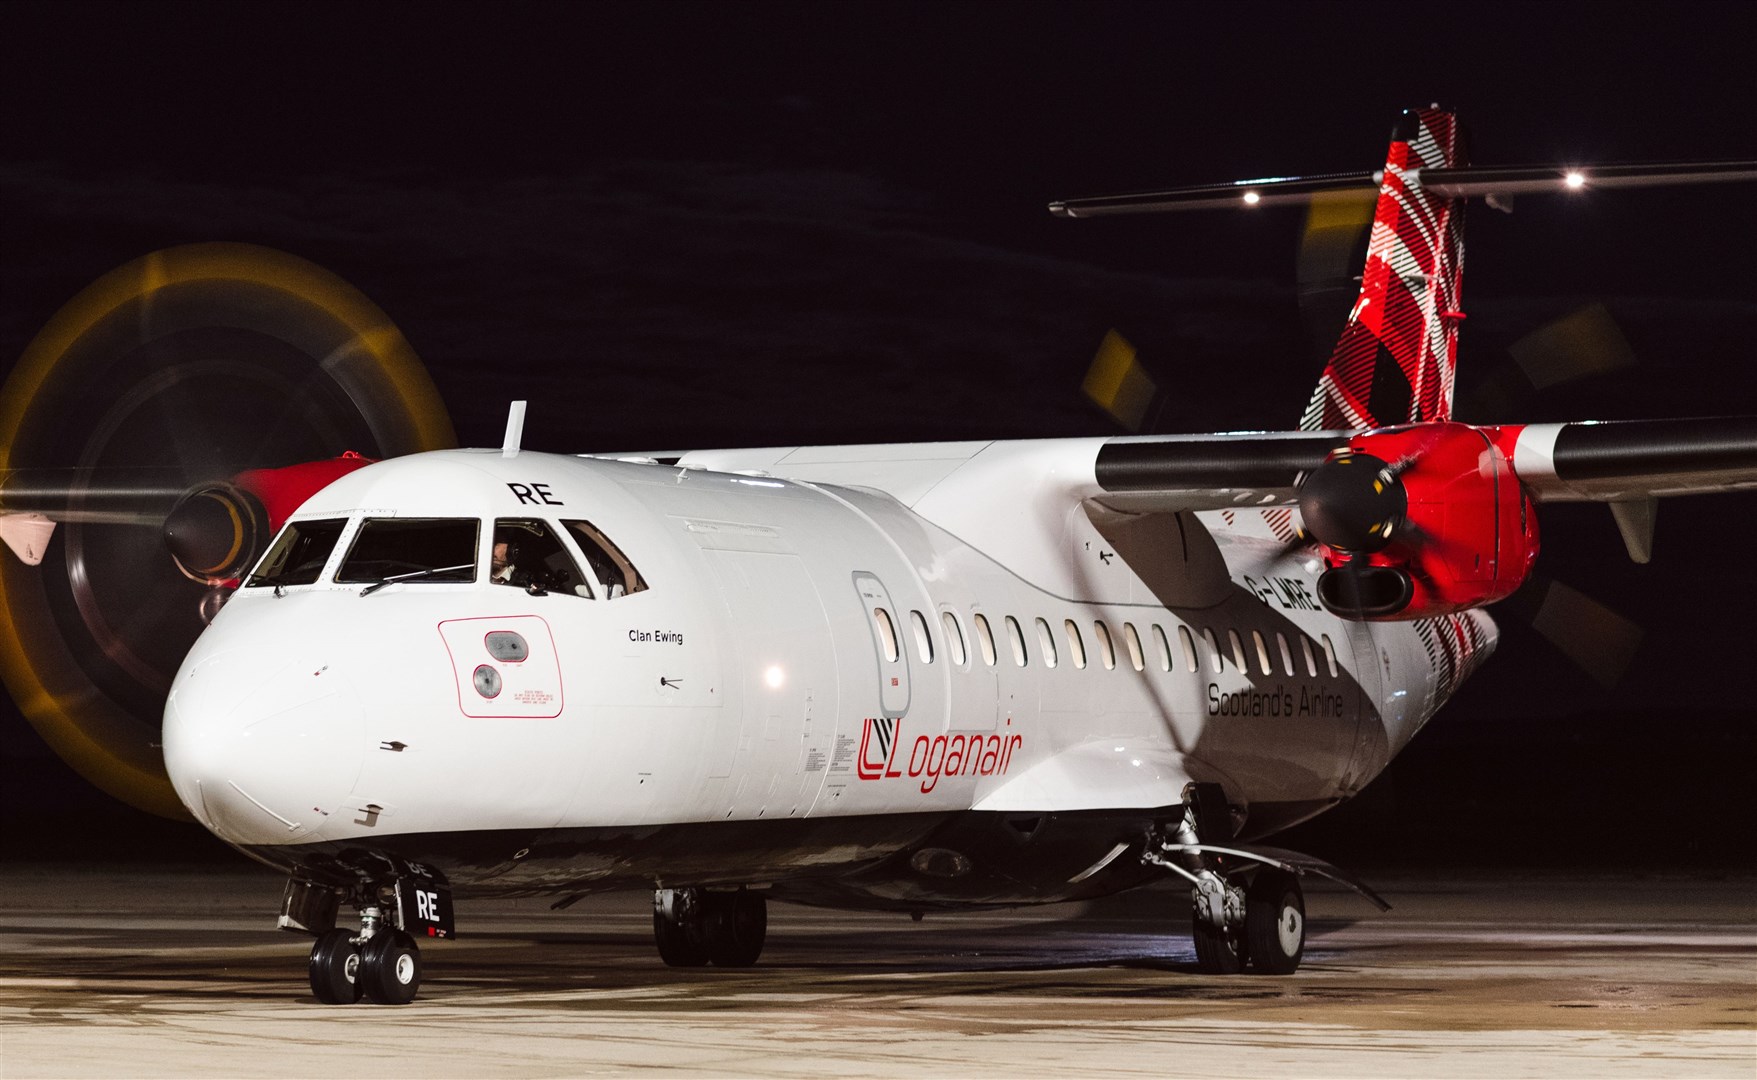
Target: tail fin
(1395,361)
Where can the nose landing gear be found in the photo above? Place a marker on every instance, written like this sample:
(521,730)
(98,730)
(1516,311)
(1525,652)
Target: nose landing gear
(381,963)
(694,927)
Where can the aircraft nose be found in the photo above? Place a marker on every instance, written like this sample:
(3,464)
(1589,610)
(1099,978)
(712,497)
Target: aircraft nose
(262,750)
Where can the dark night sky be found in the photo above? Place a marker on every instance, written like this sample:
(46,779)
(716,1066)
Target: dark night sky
(690,225)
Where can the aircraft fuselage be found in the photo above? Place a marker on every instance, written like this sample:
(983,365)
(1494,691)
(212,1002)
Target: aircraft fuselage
(842,691)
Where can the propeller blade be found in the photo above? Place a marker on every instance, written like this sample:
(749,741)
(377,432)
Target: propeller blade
(1600,641)
(1330,255)
(1117,383)
(1584,343)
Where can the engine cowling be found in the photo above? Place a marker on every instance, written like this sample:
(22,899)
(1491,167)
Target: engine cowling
(1418,521)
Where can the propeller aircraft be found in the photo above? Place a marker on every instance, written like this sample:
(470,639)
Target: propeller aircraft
(901,677)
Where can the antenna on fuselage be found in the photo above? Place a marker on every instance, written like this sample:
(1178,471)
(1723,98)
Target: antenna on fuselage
(515,429)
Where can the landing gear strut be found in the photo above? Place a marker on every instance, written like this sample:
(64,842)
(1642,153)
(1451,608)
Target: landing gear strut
(382,962)
(1242,916)
(694,927)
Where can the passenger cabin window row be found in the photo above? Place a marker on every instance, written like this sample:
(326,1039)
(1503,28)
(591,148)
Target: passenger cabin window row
(526,553)
(1190,651)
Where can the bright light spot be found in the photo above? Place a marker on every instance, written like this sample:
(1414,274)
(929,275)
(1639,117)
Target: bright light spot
(1252,198)
(1575,180)
(775,677)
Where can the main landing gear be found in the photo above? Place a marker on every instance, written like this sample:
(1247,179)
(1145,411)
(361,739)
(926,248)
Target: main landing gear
(381,962)
(694,927)
(1246,912)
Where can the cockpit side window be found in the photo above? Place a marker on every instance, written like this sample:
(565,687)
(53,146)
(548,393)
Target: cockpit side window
(418,549)
(299,554)
(611,566)
(527,554)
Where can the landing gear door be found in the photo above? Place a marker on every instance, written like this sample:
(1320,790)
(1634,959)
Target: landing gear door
(886,624)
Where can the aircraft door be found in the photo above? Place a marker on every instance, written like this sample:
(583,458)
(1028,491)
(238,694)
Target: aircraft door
(889,647)
(784,664)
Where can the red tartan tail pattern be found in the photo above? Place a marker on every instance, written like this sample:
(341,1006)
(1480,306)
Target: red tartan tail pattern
(1395,361)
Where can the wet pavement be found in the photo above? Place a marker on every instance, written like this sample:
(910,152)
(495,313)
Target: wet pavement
(179,972)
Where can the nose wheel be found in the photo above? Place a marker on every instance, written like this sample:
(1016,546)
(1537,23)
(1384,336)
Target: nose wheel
(390,968)
(335,968)
(386,969)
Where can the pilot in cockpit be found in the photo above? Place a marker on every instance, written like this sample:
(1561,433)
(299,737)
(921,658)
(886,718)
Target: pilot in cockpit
(503,568)
(527,555)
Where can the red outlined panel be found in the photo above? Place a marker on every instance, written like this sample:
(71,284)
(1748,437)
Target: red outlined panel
(491,687)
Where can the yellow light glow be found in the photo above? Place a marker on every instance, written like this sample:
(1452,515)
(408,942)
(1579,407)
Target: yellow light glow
(774,676)
(1575,180)
(1252,198)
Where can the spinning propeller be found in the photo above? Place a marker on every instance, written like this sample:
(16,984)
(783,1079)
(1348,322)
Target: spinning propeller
(162,423)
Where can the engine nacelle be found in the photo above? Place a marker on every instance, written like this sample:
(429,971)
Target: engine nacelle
(1468,536)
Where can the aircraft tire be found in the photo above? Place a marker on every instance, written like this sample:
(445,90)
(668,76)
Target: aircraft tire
(680,928)
(390,968)
(1275,923)
(335,968)
(739,928)
(1217,952)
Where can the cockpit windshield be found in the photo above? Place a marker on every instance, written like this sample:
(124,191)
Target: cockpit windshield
(299,554)
(419,549)
(527,554)
(613,568)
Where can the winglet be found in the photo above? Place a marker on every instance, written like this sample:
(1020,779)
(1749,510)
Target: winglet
(27,535)
(515,430)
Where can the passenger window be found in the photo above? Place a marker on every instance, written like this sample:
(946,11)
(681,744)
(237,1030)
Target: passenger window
(1132,641)
(1330,655)
(954,637)
(1046,641)
(299,555)
(1305,646)
(1238,651)
(1262,652)
(419,549)
(611,567)
(984,638)
(1213,649)
(527,555)
(1106,648)
(1076,644)
(1017,637)
(887,634)
(923,643)
(1189,646)
(1286,655)
(1164,646)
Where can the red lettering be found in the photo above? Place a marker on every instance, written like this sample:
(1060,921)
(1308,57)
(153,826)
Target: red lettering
(920,747)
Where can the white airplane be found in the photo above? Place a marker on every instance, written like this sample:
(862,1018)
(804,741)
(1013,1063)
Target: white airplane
(906,677)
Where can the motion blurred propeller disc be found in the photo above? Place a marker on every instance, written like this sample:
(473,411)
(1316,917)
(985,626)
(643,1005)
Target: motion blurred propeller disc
(196,363)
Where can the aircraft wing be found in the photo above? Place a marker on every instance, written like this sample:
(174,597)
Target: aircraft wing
(1616,461)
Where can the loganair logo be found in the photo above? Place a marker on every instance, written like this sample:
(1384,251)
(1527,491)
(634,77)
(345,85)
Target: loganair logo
(953,754)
